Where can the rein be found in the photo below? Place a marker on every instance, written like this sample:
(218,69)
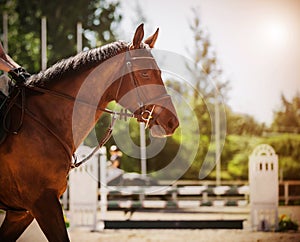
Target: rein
(121,114)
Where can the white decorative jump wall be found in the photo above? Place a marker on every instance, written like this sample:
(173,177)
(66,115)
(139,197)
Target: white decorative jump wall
(83,188)
(263,181)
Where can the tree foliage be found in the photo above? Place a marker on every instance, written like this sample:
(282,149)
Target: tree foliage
(243,124)
(243,131)
(209,85)
(98,18)
(287,118)
(287,148)
(235,155)
(206,71)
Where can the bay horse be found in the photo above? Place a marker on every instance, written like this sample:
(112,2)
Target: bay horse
(35,163)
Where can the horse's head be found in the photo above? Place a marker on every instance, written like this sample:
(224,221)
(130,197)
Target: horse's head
(141,89)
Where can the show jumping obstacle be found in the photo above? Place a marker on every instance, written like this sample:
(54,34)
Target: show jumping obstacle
(263,174)
(87,210)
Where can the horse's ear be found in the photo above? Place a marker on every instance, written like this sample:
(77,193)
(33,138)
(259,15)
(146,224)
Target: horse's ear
(152,39)
(138,37)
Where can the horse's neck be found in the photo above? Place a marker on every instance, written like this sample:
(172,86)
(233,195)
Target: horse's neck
(72,121)
(97,90)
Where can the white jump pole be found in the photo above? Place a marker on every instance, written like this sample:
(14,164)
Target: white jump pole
(217,139)
(143,149)
(5,31)
(103,189)
(44,42)
(79,37)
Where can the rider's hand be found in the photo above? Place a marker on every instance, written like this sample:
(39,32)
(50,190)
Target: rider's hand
(20,75)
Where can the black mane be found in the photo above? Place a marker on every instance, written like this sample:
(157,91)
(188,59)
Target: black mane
(72,65)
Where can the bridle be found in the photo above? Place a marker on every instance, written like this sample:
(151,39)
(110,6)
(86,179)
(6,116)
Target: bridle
(145,115)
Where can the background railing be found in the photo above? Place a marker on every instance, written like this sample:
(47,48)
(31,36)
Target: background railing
(185,193)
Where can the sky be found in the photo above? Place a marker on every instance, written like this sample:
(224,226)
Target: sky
(256,42)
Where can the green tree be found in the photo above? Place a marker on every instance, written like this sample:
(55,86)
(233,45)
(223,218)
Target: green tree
(287,148)
(206,71)
(209,85)
(235,155)
(97,16)
(287,118)
(243,124)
